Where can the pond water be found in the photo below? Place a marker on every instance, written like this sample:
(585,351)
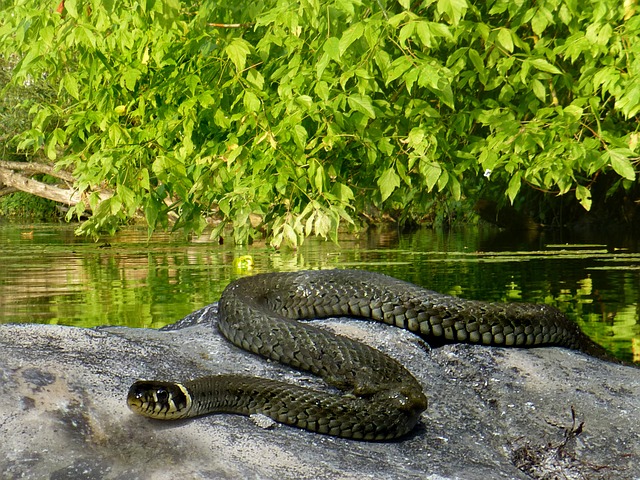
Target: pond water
(51,276)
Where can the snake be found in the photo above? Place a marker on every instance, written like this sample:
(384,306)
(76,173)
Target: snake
(370,395)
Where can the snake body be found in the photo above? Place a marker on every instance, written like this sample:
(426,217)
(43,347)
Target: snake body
(381,399)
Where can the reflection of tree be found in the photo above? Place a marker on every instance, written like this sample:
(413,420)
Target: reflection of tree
(149,285)
(156,285)
(130,284)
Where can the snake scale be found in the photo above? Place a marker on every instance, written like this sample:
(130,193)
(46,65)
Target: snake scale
(380,399)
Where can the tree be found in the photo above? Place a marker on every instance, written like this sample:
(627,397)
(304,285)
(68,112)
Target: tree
(284,118)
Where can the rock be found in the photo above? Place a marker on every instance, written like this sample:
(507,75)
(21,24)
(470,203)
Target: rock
(493,413)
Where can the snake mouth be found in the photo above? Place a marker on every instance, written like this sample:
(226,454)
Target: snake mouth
(159,400)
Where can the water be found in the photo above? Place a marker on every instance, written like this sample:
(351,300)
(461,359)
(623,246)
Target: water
(51,276)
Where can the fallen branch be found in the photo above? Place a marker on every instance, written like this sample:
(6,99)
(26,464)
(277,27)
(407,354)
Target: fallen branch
(16,176)
(35,167)
(9,178)
(6,190)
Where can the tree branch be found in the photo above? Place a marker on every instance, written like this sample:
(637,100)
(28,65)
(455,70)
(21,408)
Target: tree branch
(35,167)
(9,178)
(231,25)
(6,190)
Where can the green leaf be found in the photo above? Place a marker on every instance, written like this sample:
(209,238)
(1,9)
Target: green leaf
(539,21)
(128,198)
(322,224)
(505,40)
(342,192)
(538,89)
(237,52)
(410,78)
(629,100)
(255,78)
(441,30)
(322,90)
(114,203)
(454,188)
(416,136)
(235,153)
(221,119)
(478,64)
(443,180)
(619,158)
(362,104)
(251,101)
(143,179)
(300,136)
(544,66)
(424,33)
(349,36)
(322,64)
(406,31)
(573,111)
(514,186)
(308,226)
(71,86)
(71,8)
(453,10)
(388,182)
(583,195)
(289,236)
(305,101)
(318,179)
(84,35)
(50,148)
(130,77)
(151,213)
(398,67)
(438,81)
(332,48)
(431,172)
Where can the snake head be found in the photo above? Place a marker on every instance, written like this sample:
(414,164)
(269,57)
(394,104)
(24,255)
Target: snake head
(159,400)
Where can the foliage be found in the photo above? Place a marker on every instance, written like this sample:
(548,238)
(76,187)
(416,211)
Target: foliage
(14,118)
(24,206)
(300,113)
(14,108)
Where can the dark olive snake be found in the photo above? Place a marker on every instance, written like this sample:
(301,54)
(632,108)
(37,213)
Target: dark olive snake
(381,400)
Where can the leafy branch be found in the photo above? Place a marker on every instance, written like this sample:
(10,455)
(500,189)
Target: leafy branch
(285,119)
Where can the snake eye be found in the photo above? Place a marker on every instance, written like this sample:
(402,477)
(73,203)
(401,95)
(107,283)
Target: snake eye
(161,395)
(138,392)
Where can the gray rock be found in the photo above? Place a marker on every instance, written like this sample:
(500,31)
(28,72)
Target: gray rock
(493,413)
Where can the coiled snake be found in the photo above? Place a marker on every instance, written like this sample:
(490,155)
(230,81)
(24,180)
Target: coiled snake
(381,399)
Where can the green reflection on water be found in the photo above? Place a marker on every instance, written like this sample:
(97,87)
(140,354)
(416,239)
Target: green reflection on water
(50,276)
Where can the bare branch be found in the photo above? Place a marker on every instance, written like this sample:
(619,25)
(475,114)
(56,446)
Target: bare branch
(7,190)
(67,196)
(35,167)
(230,25)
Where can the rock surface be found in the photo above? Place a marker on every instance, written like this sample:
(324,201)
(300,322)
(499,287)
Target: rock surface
(493,413)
